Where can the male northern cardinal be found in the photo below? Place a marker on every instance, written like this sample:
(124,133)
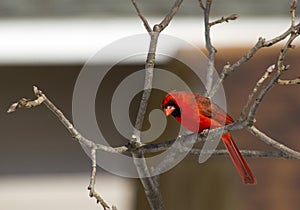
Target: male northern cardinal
(196,113)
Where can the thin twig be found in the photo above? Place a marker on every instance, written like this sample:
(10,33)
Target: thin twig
(288,81)
(260,96)
(42,99)
(93,171)
(261,43)
(188,138)
(293,12)
(281,68)
(27,103)
(91,186)
(210,48)
(144,20)
(280,65)
(255,89)
(268,140)
(201,5)
(147,88)
(246,153)
(224,19)
(165,22)
(150,62)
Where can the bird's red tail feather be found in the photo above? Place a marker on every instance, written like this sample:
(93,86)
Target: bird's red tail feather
(238,160)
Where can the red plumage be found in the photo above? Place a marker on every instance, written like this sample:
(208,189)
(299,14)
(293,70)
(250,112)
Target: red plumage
(196,113)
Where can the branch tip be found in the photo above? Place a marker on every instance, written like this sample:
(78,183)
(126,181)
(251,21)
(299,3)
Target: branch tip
(13,107)
(293,5)
(271,68)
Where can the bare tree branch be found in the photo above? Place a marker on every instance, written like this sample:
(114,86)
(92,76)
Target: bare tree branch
(293,12)
(158,147)
(281,68)
(144,20)
(150,186)
(148,148)
(247,153)
(208,43)
(255,89)
(151,189)
(91,186)
(224,19)
(42,99)
(165,22)
(201,4)
(288,82)
(261,43)
(27,103)
(273,143)
(210,48)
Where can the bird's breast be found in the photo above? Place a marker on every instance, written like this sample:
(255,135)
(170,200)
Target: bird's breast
(194,122)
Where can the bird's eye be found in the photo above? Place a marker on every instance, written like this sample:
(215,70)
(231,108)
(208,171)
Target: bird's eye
(171,102)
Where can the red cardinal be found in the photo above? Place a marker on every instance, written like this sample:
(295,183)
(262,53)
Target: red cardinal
(196,113)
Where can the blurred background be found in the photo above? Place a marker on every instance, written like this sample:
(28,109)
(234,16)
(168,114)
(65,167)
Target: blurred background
(46,43)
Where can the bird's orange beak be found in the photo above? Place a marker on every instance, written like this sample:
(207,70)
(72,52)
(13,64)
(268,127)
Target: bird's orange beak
(169,110)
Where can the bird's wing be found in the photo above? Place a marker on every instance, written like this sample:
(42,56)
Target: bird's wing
(213,111)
